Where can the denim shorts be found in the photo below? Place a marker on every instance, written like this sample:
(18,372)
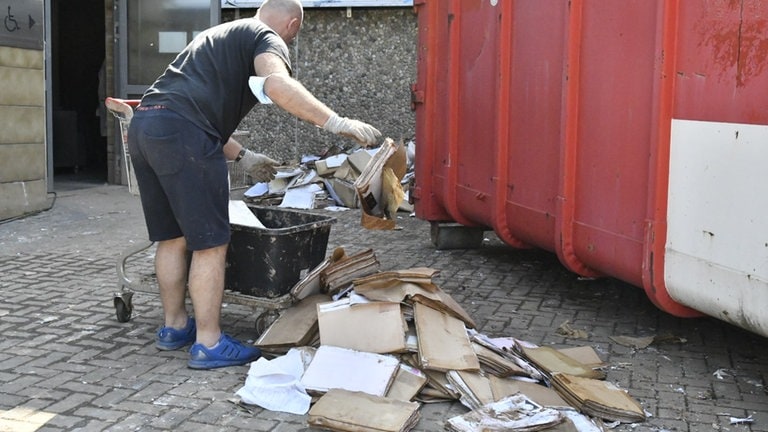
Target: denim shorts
(182,176)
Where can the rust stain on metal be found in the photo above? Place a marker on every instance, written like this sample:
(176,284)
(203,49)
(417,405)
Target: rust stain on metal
(741,44)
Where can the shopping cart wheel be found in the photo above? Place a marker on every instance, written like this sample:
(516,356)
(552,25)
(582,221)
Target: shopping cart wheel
(265,320)
(123,306)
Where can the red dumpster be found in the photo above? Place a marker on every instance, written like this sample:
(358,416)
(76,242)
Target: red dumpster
(629,138)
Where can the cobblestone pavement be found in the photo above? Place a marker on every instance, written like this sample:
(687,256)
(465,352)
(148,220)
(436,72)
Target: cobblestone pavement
(67,364)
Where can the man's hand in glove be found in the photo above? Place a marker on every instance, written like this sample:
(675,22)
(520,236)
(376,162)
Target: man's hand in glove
(362,132)
(260,167)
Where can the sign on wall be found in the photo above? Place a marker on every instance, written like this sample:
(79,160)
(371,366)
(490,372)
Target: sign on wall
(23,25)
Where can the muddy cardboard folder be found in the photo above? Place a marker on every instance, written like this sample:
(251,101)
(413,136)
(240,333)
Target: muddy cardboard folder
(598,398)
(294,327)
(379,188)
(407,384)
(342,410)
(376,327)
(443,341)
(551,361)
(396,290)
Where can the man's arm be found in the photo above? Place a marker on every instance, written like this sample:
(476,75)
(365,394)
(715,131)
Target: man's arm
(293,97)
(232,149)
(289,94)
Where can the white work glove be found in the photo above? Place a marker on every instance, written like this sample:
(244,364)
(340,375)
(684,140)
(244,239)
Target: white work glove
(260,167)
(362,132)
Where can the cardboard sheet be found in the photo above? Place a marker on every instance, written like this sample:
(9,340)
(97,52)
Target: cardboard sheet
(296,326)
(407,384)
(433,297)
(443,341)
(585,355)
(551,360)
(474,387)
(542,395)
(376,327)
(421,276)
(439,381)
(598,398)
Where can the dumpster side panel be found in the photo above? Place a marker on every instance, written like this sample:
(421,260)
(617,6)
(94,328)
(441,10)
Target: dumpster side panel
(457,50)
(529,184)
(716,252)
(472,143)
(615,111)
(722,61)
(716,258)
(429,96)
(489,87)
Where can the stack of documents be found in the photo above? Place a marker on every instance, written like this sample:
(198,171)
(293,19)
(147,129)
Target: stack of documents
(339,274)
(414,285)
(387,341)
(598,398)
(552,361)
(539,393)
(310,284)
(474,388)
(511,413)
(496,363)
(343,410)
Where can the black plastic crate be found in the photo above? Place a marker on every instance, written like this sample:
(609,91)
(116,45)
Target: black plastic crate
(268,262)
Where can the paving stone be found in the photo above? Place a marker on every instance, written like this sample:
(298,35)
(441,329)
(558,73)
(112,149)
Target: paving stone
(172,418)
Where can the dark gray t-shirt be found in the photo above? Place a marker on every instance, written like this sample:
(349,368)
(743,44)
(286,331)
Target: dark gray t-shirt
(207,83)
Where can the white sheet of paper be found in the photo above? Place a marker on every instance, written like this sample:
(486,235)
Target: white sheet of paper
(274,384)
(301,197)
(336,160)
(240,214)
(257,190)
(334,367)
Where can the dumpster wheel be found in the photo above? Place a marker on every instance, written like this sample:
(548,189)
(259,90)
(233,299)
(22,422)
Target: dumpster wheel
(123,306)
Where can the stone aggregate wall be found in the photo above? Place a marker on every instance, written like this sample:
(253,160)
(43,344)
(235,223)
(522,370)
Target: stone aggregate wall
(361,66)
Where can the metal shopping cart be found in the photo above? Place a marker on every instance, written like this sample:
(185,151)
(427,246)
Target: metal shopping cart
(266,261)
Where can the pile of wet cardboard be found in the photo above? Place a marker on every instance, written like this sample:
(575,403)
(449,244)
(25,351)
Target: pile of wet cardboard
(381,343)
(339,178)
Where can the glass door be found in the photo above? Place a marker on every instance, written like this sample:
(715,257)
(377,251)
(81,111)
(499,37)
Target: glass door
(150,33)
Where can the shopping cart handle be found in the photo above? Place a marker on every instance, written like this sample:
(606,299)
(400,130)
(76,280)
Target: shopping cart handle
(121,108)
(129,102)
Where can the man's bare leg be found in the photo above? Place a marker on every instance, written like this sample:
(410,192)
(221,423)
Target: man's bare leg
(171,270)
(206,288)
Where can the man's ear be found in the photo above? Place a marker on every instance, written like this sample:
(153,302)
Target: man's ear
(294,25)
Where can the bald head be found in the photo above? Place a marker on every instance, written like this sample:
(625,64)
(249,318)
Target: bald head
(282,16)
